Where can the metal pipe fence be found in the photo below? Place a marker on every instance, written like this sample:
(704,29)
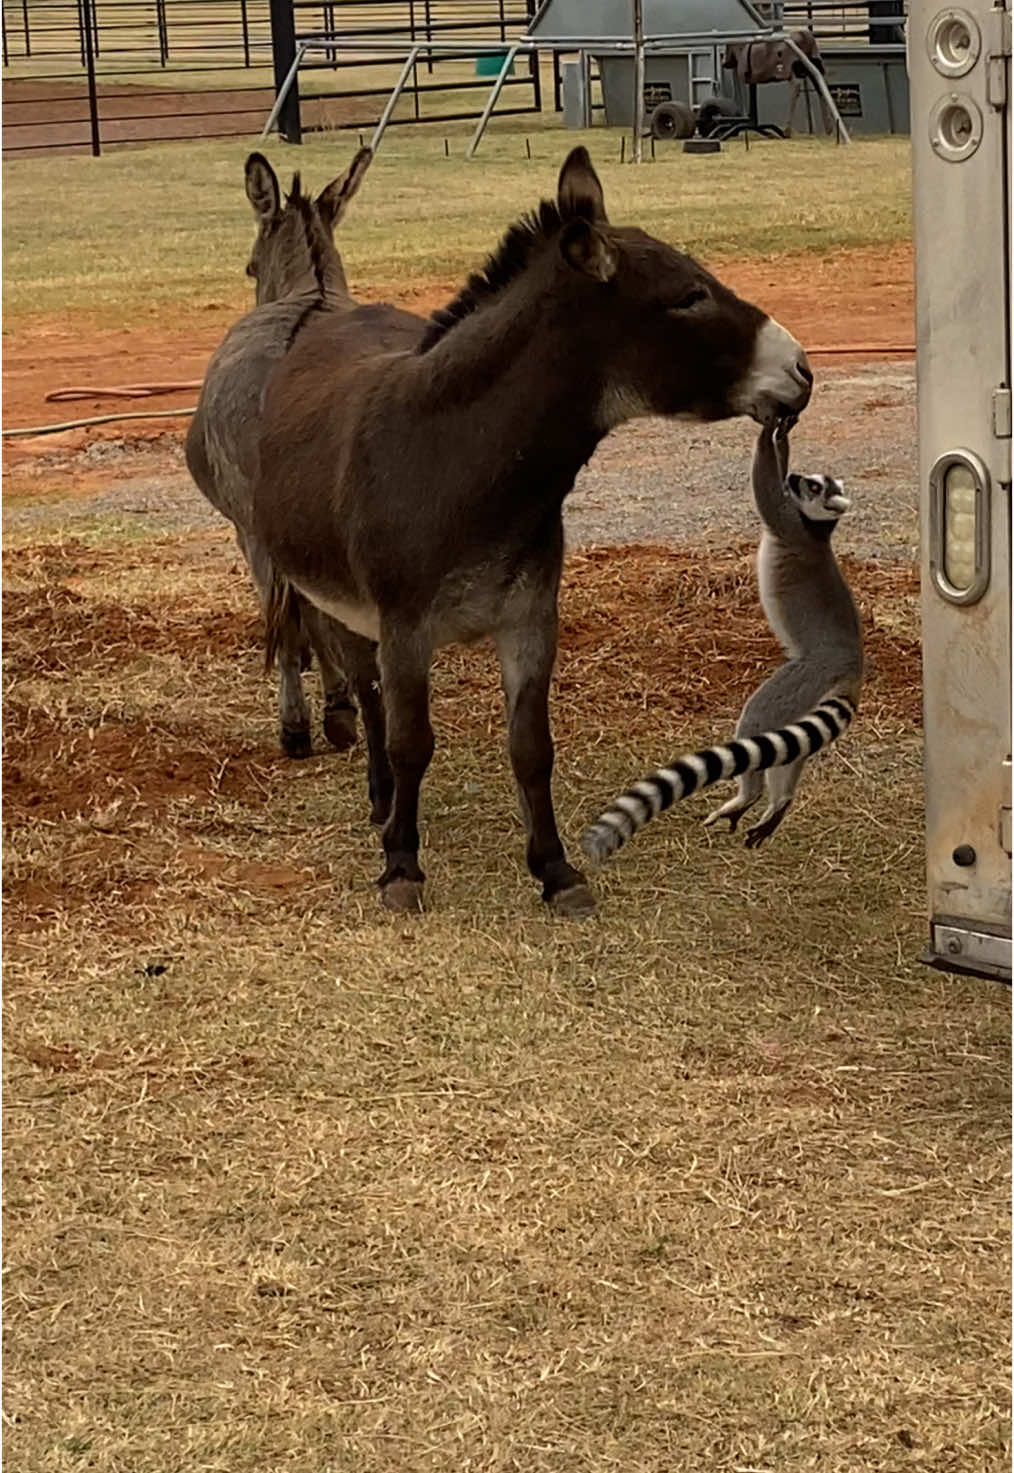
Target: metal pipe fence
(85,75)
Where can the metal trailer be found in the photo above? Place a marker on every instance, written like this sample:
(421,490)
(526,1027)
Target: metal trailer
(959,68)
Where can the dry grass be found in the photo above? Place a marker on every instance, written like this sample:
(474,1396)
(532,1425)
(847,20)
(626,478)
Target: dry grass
(181,229)
(717,1181)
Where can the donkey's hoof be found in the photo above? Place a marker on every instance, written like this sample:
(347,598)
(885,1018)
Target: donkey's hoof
(574,902)
(340,726)
(296,741)
(402,895)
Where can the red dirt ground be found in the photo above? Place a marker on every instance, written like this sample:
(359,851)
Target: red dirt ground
(845,299)
(54,115)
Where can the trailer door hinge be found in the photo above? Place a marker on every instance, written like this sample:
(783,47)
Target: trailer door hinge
(998,59)
(1002,414)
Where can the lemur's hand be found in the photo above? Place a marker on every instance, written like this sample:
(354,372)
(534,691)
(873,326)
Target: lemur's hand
(784,424)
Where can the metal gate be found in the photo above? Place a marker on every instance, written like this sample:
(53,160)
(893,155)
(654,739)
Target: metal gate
(85,75)
(344,84)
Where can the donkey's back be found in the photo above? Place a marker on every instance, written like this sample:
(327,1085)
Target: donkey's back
(221,444)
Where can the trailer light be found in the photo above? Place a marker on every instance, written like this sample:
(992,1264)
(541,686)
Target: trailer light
(954,43)
(959,527)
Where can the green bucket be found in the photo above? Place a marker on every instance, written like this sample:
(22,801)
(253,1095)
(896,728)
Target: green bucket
(491,64)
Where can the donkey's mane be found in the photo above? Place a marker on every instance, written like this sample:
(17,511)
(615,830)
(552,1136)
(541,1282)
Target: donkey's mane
(507,262)
(317,242)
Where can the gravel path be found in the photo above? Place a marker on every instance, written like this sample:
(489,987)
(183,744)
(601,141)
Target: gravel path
(651,481)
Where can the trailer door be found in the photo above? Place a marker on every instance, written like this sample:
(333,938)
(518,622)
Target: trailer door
(959,61)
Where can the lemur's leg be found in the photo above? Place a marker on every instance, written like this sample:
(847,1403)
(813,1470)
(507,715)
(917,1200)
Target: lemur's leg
(748,790)
(782,783)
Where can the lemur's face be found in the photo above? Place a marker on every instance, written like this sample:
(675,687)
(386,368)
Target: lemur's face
(819,498)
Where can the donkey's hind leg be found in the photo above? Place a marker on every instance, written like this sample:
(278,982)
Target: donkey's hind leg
(527,652)
(293,655)
(359,657)
(405,656)
(339,711)
(293,708)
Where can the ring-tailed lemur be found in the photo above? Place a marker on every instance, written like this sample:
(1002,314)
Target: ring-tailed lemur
(806,704)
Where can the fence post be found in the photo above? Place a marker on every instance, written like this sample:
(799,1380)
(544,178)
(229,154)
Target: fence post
(283,51)
(93,100)
(163,31)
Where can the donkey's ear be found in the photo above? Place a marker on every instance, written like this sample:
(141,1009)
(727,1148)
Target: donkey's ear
(262,188)
(579,193)
(587,250)
(333,201)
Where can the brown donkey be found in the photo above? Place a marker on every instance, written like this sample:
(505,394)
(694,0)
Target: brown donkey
(298,273)
(413,489)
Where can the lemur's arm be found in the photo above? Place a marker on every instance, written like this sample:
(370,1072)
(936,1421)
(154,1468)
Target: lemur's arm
(770,467)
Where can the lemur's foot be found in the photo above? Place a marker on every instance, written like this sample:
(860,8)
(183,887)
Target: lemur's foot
(726,811)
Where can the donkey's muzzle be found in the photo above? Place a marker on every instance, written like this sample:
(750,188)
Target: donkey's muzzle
(779,380)
(796,401)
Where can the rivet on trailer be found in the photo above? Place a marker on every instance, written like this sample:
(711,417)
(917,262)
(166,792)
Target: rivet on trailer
(959,67)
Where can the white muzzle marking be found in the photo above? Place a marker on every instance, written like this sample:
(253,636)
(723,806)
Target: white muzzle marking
(778,375)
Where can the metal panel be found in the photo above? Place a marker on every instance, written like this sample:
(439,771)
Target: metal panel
(961,175)
(575,20)
(957,949)
(668,75)
(869,85)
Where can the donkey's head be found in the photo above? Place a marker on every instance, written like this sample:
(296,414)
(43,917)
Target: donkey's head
(646,328)
(682,343)
(295,240)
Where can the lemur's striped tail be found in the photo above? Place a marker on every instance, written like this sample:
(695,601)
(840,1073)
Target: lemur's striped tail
(660,789)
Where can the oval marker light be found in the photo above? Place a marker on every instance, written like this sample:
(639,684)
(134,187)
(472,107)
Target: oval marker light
(959,527)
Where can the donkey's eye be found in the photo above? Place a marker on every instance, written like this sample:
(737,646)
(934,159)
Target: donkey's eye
(694,295)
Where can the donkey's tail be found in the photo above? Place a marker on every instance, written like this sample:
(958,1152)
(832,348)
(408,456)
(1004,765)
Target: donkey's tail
(660,789)
(281,609)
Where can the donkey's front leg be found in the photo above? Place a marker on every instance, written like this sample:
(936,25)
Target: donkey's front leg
(404,673)
(527,653)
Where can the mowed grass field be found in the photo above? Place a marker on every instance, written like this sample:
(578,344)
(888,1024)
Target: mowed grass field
(717,1180)
(132,234)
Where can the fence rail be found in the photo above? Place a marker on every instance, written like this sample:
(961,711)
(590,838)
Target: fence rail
(84,75)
